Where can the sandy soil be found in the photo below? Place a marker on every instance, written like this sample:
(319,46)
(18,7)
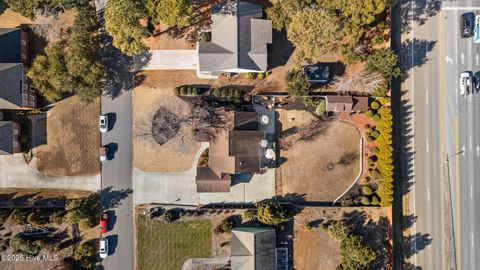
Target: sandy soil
(72,139)
(304,168)
(164,41)
(316,249)
(177,154)
(11,19)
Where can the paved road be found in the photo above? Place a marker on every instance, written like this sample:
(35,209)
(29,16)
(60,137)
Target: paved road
(117,193)
(444,124)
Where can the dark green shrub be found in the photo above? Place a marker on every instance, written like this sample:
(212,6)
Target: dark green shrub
(375,105)
(189,90)
(224,92)
(195,91)
(217,92)
(226,226)
(176,91)
(375,200)
(183,90)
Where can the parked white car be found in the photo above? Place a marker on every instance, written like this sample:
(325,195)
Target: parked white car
(103,248)
(103,123)
(466,82)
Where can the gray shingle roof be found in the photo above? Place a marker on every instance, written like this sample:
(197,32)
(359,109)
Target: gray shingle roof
(239,39)
(10,45)
(10,85)
(253,249)
(6,137)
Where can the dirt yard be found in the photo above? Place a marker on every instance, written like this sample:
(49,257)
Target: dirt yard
(316,249)
(12,19)
(177,153)
(313,156)
(73,139)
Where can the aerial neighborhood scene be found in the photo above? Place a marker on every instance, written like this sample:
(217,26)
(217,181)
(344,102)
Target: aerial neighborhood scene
(239,134)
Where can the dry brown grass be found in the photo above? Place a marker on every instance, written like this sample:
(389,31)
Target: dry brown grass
(11,19)
(44,193)
(177,154)
(304,170)
(72,139)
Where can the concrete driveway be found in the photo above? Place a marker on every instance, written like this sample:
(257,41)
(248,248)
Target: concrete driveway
(14,173)
(167,59)
(180,188)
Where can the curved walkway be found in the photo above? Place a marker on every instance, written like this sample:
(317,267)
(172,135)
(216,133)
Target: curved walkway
(14,173)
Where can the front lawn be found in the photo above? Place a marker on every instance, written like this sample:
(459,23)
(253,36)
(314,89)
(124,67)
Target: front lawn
(166,246)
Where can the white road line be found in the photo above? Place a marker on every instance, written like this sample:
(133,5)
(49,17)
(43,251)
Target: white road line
(428,194)
(477,58)
(478,150)
(460,8)
(426,97)
(463,150)
(428,146)
(471,192)
(463,58)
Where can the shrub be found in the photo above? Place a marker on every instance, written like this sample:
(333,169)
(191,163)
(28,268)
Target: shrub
(20,216)
(250,215)
(375,150)
(366,190)
(297,83)
(346,202)
(176,91)
(251,75)
(375,105)
(189,90)
(86,223)
(370,139)
(217,92)
(375,134)
(183,90)
(375,200)
(381,90)
(56,217)
(308,226)
(369,113)
(237,94)
(365,200)
(376,117)
(272,213)
(20,243)
(378,39)
(261,76)
(376,174)
(321,108)
(226,226)
(195,91)
(224,92)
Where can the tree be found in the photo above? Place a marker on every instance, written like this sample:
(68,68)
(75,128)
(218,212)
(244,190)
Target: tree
(272,213)
(321,108)
(384,61)
(281,11)
(313,32)
(20,243)
(82,211)
(27,7)
(226,226)
(250,214)
(122,22)
(170,12)
(297,83)
(85,255)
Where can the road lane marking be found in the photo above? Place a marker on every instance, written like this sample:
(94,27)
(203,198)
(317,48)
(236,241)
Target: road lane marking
(477,58)
(448,60)
(462,57)
(426,97)
(428,194)
(460,8)
(478,150)
(463,152)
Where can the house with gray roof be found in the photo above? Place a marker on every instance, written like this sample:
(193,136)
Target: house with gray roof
(9,133)
(15,89)
(239,38)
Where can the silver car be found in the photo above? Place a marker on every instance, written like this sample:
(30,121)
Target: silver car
(103,248)
(103,122)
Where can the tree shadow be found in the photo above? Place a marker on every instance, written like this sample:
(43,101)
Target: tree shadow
(408,221)
(415,243)
(112,198)
(417,12)
(3,6)
(419,48)
(280,50)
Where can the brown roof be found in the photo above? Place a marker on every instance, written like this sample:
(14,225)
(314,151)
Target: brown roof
(346,103)
(234,150)
(208,181)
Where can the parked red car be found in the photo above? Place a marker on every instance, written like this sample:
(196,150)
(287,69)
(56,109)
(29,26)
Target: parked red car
(103,222)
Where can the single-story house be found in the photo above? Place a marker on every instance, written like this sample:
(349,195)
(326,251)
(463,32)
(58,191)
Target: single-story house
(16,92)
(239,38)
(235,149)
(346,103)
(253,249)
(9,135)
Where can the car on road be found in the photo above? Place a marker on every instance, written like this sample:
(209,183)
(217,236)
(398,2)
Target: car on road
(317,74)
(103,248)
(103,123)
(476,30)
(467,24)
(103,222)
(466,82)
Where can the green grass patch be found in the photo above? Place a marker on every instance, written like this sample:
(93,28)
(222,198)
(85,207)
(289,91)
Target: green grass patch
(166,246)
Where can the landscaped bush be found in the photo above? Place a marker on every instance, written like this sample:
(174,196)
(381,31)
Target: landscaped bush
(251,75)
(370,139)
(367,190)
(271,213)
(189,90)
(375,105)
(375,200)
(375,134)
(376,174)
(365,200)
(195,91)
(217,92)
(176,91)
(385,159)
(226,226)
(369,113)
(321,108)
(261,76)
(250,215)
(376,117)
(183,90)
(224,92)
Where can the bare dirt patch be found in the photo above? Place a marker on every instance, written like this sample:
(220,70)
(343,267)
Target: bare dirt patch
(72,139)
(175,154)
(312,156)
(316,249)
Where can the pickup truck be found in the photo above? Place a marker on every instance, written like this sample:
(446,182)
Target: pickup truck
(103,153)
